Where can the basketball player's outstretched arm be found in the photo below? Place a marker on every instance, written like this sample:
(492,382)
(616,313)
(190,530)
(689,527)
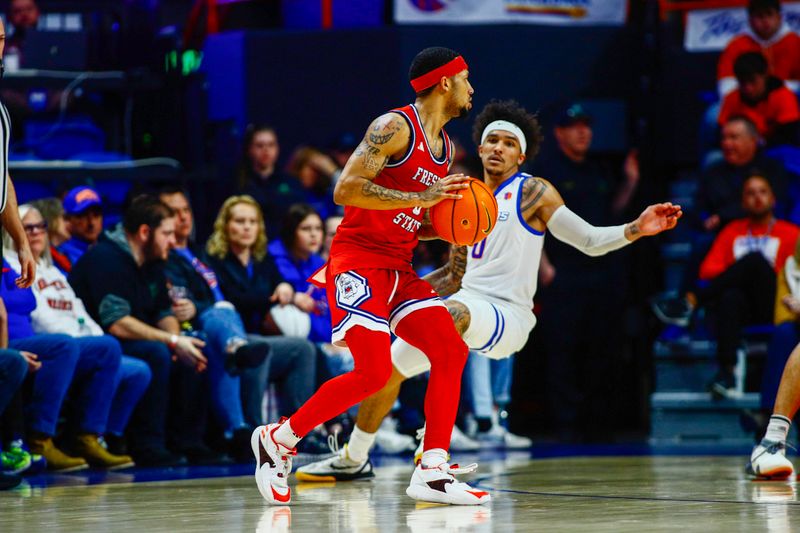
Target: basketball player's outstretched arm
(388,136)
(446,280)
(542,205)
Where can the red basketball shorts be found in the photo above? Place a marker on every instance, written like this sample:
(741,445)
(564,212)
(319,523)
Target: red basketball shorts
(377,299)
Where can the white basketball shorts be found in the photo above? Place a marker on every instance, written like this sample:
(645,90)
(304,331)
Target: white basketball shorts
(496,329)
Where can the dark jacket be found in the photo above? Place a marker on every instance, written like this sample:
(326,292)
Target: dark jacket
(180,273)
(720,189)
(113,286)
(249,294)
(275,195)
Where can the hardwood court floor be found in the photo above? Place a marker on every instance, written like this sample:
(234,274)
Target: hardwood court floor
(648,493)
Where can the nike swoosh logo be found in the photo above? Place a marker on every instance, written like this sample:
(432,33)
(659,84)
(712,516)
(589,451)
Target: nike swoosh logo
(283,498)
(488,218)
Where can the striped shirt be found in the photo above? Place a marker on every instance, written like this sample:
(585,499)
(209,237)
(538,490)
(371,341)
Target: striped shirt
(5,137)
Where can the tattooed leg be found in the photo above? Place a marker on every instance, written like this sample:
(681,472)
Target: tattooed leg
(460,315)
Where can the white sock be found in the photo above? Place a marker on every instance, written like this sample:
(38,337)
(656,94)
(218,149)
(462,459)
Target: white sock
(778,428)
(286,436)
(359,444)
(434,457)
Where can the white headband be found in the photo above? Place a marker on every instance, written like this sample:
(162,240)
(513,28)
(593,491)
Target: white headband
(506,126)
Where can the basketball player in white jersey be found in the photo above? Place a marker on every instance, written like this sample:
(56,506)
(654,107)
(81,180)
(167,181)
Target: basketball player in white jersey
(491,284)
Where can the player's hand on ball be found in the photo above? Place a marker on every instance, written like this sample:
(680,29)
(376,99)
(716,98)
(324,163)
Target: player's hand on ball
(658,217)
(443,189)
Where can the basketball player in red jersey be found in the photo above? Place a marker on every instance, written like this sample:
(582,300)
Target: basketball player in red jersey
(399,169)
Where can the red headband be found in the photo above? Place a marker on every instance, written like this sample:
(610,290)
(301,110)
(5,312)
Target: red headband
(448,69)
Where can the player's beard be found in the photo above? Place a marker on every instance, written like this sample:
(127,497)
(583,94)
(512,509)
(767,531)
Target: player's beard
(463,112)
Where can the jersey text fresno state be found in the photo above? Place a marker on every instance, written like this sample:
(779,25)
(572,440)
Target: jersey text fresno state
(371,238)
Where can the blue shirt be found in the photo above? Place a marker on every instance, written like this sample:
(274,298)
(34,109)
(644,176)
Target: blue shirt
(73,249)
(20,303)
(296,272)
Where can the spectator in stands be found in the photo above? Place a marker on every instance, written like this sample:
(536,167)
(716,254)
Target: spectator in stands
(768,35)
(204,307)
(331,225)
(740,272)
(57,233)
(138,312)
(259,176)
(59,310)
(248,277)
(577,344)
(296,254)
(718,198)
(92,362)
(23,15)
(764,99)
(13,368)
(83,211)
(317,173)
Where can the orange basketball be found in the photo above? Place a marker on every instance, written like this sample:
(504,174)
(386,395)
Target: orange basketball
(468,220)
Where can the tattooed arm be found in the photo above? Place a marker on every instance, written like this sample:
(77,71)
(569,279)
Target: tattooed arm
(541,205)
(447,279)
(388,136)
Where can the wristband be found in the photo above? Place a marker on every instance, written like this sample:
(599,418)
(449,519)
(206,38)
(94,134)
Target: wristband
(173,342)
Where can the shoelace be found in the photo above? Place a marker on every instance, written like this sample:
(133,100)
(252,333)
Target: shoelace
(456,469)
(421,433)
(333,442)
(774,447)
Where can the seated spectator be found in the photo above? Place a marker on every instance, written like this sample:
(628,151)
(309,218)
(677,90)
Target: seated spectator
(718,197)
(59,310)
(13,368)
(57,233)
(23,15)
(83,210)
(317,173)
(296,254)
(139,314)
(740,272)
(764,99)
(91,362)
(248,277)
(259,177)
(769,35)
(205,308)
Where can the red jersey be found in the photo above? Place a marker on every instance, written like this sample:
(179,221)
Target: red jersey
(779,107)
(782,53)
(371,238)
(775,241)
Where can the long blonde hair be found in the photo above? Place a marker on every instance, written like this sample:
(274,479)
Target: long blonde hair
(218,244)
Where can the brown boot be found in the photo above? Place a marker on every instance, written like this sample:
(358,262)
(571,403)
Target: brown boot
(88,446)
(57,461)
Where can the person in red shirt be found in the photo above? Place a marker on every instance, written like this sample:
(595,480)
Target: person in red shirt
(398,171)
(740,273)
(769,35)
(764,99)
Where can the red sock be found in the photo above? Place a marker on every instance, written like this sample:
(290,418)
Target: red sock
(373,366)
(432,331)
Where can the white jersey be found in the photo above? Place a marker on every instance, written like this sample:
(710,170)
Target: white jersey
(505,265)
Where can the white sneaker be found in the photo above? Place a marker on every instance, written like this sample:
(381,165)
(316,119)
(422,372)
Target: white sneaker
(768,460)
(439,485)
(389,441)
(273,465)
(459,442)
(502,438)
(340,467)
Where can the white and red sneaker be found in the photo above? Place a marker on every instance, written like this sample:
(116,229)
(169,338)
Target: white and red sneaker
(439,485)
(273,465)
